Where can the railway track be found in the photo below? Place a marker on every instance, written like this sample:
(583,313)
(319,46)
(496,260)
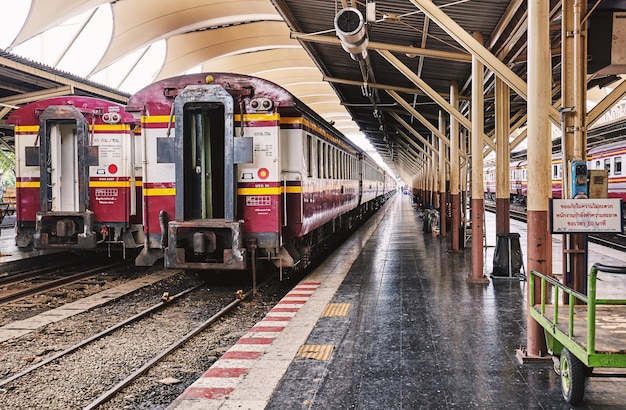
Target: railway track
(108,331)
(107,395)
(126,353)
(614,241)
(53,281)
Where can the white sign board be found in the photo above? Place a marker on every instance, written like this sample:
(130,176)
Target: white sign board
(601,215)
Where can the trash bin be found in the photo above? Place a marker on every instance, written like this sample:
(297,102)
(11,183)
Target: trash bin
(507,257)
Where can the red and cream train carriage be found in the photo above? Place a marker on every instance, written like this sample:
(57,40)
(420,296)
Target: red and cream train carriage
(235,163)
(76,164)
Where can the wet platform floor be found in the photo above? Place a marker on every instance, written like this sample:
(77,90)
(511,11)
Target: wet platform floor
(418,336)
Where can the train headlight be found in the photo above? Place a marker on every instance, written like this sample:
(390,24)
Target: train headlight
(261,104)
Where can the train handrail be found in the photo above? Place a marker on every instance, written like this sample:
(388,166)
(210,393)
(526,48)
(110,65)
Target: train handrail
(283,174)
(590,299)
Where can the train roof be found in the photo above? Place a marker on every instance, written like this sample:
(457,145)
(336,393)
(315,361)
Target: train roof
(29,113)
(603,148)
(157,98)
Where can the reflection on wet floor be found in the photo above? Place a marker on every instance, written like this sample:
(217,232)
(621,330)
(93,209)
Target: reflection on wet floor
(418,336)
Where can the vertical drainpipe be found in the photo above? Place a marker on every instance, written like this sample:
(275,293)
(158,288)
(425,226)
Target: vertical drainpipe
(539,155)
(442,178)
(478,201)
(503,202)
(455,185)
(434,191)
(574,128)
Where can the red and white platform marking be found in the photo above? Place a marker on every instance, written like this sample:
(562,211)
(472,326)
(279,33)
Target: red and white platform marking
(247,374)
(225,374)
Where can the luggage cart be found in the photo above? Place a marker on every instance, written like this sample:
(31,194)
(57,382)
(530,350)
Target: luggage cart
(586,332)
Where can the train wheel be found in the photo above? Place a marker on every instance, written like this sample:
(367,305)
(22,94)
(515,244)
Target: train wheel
(572,377)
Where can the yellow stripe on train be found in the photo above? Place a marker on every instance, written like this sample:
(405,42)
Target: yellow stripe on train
(28,184)
(109,184)
(269,191)
(159,191)
(237,117)
(260,191)
(98,127)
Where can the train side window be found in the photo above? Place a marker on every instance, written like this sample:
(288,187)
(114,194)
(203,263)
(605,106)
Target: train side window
(607,165)
(309,155)
(31,156)
(165,151)
(325,160)
(320,158)
(597,165)
(325,173)
(555,172)
(617,167)
(342,164)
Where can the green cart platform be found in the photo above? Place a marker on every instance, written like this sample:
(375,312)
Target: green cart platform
(587,332)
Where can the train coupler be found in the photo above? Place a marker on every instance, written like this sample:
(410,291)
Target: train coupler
(205,244)
(72,230)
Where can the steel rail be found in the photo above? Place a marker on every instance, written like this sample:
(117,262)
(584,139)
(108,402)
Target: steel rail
(100,335)
(106,396)
(55,283)
(619,245)
(12,278)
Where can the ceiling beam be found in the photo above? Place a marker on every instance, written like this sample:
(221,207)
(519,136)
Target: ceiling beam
(50,76)
(37,95)
(468,42)
(373,45)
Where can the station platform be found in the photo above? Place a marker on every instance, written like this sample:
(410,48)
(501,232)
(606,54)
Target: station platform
(388,321)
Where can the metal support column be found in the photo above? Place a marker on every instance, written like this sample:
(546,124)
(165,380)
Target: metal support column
(539,155)
(455,177)
(503,113)
(443,201)
(573,126)
(478,200)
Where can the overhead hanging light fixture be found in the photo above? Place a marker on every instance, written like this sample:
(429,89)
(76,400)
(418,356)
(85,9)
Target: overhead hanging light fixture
(350,28)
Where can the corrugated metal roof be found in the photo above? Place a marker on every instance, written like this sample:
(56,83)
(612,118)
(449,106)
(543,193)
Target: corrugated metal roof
(400,34)
(502,25)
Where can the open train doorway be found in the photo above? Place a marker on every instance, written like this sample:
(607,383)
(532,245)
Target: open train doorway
(203,156)
(205,234)
(65,154)
(62,164)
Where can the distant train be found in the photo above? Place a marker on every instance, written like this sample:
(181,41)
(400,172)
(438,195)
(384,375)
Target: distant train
(610,157)
(208,171)
(77,161)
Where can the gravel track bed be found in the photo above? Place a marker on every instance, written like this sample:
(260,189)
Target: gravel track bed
(72,382)
(33,305)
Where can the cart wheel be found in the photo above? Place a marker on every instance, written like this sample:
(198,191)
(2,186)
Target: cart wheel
(572,377)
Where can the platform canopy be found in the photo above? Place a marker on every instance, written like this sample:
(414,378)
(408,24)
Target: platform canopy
(390,95)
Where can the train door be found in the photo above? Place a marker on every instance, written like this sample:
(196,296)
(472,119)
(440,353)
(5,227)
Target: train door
(203,156)
(204,234)
(65,155)
(63,168)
